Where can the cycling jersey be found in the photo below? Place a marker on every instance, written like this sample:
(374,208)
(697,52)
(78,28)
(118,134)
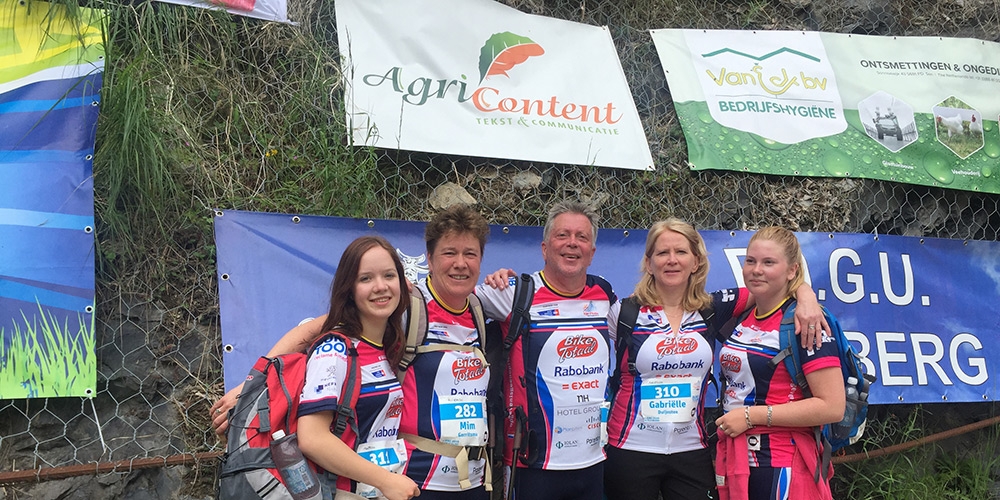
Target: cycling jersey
(645,416)
(445,394)
(557,371)
(744,359)
(379,404)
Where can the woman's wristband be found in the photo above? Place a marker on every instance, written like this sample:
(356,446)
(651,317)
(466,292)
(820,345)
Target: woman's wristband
(769,409)
(746,414)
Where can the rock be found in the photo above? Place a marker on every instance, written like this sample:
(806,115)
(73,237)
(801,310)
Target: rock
(526,181)
(449,194)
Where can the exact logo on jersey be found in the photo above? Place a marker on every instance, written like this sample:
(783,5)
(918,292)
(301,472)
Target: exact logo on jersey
(465,369)
(576,346)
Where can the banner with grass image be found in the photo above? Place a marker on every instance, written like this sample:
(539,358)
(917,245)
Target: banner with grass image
(919,110)
(51,62)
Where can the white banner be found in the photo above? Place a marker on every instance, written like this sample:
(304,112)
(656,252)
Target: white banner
(477,78)
(268,10)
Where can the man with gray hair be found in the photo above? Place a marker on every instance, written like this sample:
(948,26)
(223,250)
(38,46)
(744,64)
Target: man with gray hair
(558,363)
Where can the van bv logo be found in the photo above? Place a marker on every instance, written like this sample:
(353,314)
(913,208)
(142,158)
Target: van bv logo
(670,346)
(576,346)
(498,56)
(775,82)
(467,369)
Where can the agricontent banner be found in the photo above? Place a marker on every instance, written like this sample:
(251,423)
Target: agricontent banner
(919,110)
(50,75)
(269,10)
(920,309)
(477,78)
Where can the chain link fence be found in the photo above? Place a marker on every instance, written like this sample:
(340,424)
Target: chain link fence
(158,334)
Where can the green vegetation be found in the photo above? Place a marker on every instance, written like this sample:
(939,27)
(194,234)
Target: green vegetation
(203,110)
(929,471)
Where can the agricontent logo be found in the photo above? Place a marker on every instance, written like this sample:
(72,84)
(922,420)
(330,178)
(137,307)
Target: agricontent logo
(503,51)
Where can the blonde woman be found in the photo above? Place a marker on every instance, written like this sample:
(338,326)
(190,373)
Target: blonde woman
(766,448)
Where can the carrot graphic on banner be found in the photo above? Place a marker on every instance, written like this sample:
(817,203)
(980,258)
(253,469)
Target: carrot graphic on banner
(503,51)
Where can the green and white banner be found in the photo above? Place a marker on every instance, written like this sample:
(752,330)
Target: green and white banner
(920,110)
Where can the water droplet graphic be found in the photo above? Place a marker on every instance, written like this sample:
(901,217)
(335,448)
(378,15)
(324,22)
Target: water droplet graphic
(986,171)
(992,148)
(836,162)
(867,159)
(705,116)
(939,167)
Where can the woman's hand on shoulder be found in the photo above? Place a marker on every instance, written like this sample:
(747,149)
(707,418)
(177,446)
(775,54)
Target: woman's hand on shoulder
(810,323)
(220,410)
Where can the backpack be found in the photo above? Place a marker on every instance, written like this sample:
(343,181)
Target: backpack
(830,437)
(268,402)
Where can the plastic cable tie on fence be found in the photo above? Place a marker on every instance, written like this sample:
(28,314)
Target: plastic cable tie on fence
(100,432)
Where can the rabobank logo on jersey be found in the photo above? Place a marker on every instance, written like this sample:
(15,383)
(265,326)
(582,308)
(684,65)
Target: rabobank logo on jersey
(467,369)
(384,432)
(577,346)
(577,371)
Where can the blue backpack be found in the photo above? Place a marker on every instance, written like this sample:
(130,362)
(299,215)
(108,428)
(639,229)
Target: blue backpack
(830,437)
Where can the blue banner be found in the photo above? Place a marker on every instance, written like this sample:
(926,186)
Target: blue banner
(914,306)
(51,67)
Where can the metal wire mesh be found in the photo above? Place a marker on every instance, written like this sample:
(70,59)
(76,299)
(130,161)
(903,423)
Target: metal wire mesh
(158,328)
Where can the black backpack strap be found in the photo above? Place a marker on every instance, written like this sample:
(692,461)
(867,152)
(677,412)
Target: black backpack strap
(627,316)
(520,319)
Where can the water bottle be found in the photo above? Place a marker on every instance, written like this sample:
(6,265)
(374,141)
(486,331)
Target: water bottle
(843,429)
(298,477)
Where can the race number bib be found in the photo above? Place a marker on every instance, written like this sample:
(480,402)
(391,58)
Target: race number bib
(672,399)
(463,420)
(390,455)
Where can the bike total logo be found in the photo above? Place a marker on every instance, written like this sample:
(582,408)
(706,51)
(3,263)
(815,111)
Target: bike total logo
(498,56)
(465,369)
(395,409)
(671,346)
(576,346)
(731,363)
